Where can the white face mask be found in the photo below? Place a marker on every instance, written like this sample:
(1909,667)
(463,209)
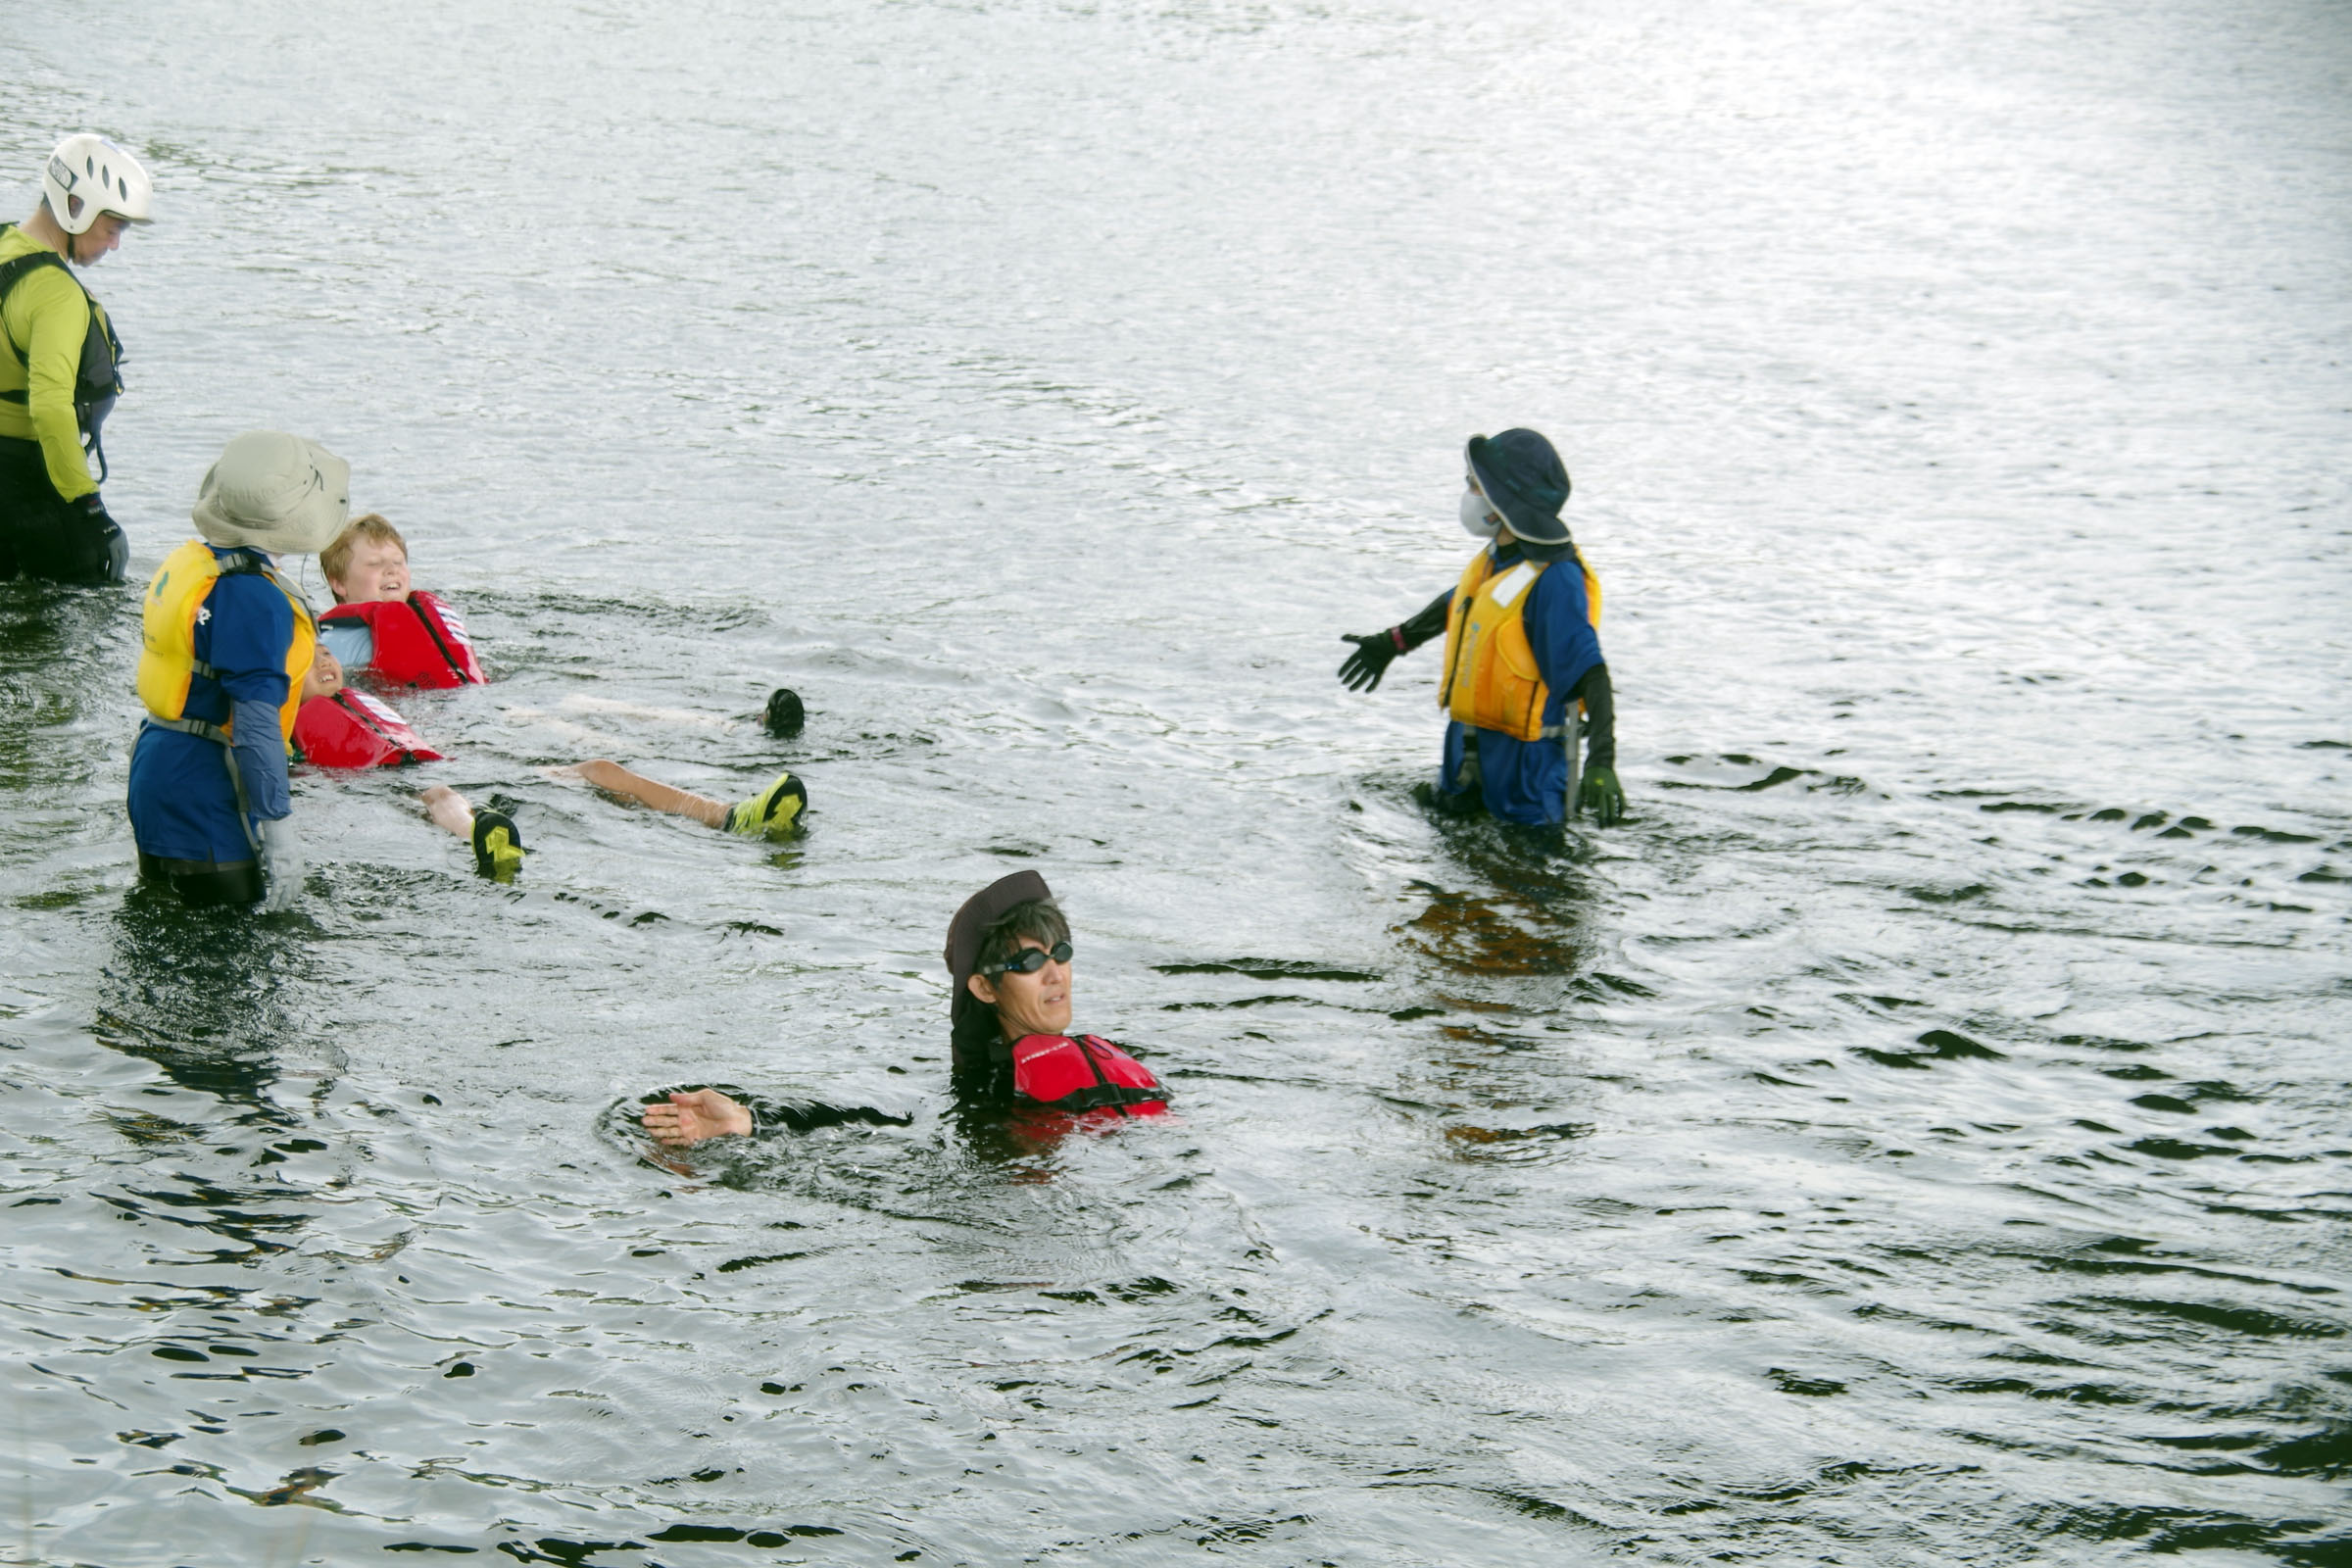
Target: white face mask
(1479,520)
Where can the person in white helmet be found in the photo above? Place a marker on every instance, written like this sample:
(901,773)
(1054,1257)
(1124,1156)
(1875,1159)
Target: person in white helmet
(59,377)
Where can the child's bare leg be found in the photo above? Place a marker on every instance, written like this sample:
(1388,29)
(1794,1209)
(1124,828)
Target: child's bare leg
(614,779)
(449,810)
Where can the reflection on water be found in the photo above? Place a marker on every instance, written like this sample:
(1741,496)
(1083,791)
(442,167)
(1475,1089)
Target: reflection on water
(1915,1137)
(202,994)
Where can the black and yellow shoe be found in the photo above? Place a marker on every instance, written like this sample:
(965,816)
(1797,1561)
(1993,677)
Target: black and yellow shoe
(497,844)
(785,715)
(774,814)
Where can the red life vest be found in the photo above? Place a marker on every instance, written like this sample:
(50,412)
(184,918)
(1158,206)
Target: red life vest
(1085,1073)
(419,640)
(351,730)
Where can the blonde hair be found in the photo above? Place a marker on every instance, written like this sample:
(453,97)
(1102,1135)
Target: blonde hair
(372,527)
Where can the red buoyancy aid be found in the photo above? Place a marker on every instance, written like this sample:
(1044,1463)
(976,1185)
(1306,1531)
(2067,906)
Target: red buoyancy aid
(419,640)
(351,730)
(1085,1073)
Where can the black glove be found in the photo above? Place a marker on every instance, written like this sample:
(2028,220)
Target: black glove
(1363,668)
(1601,793)
(104,551)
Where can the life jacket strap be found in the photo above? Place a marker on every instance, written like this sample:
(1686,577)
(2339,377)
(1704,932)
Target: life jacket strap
(11,271)
(241,565)
(1118,1096)
(434,633)
(98,377)
(197,728)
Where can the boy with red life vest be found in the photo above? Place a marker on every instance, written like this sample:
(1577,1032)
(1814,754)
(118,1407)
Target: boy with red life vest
(338,727)
(1522,649)
(406,637)
(1008,952)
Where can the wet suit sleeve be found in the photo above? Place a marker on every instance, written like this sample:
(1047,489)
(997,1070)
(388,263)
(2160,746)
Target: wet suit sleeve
(772,1115)
(1601,716)
(1426,623)
(49,319)
(252,626)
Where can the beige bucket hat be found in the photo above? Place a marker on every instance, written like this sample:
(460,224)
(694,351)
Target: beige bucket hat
(276,492)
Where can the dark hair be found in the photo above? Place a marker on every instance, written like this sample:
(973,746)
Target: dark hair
(1041,920)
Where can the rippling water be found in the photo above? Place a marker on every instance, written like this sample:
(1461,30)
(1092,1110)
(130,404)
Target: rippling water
(1919,1137)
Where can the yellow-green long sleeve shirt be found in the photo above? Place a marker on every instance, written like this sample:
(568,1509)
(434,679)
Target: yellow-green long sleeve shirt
(47,318)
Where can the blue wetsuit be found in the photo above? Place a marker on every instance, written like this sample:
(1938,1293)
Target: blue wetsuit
(183,797)
(1526,781)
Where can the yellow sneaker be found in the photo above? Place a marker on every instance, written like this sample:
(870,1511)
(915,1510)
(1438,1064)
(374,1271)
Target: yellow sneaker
(497,844)
(775,812)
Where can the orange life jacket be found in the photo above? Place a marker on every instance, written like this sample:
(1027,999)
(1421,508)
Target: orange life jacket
(419,640)
(1491,677)
(351,730)
(176,605)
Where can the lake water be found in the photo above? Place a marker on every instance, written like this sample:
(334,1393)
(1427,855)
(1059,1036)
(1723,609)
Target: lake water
(1918,1135)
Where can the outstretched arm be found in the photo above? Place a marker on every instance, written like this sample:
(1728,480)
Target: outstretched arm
(1364,668)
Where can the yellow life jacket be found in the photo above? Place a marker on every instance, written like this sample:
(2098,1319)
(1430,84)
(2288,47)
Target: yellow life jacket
(169,661)
(1490,676)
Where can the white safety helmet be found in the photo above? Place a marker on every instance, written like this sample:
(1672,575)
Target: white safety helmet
(104,177)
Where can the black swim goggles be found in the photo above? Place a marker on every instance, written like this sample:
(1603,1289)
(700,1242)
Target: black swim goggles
(1031,959)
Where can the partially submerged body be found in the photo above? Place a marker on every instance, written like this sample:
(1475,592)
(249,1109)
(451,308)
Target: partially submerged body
(1008,949)
(1524,673)
(226,643)
(401,636)
(684,1116)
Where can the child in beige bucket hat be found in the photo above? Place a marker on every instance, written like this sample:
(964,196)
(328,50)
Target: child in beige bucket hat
(228,642)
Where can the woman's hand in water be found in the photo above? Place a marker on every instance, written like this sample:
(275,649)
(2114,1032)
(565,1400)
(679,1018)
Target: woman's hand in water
(691,1117)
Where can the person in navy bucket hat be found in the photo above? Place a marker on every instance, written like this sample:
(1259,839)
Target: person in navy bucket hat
(1523,671)
(1523,478)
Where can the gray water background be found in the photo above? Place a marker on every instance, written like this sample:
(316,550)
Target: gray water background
(1918,1137)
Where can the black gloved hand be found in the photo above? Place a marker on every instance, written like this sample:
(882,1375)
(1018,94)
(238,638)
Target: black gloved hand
(107,552)
(1601,793)
(1363,668)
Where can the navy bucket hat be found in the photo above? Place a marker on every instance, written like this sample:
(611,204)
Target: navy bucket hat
(1525,479)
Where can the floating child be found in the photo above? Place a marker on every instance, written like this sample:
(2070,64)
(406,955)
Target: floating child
(403,636)
(338,727)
